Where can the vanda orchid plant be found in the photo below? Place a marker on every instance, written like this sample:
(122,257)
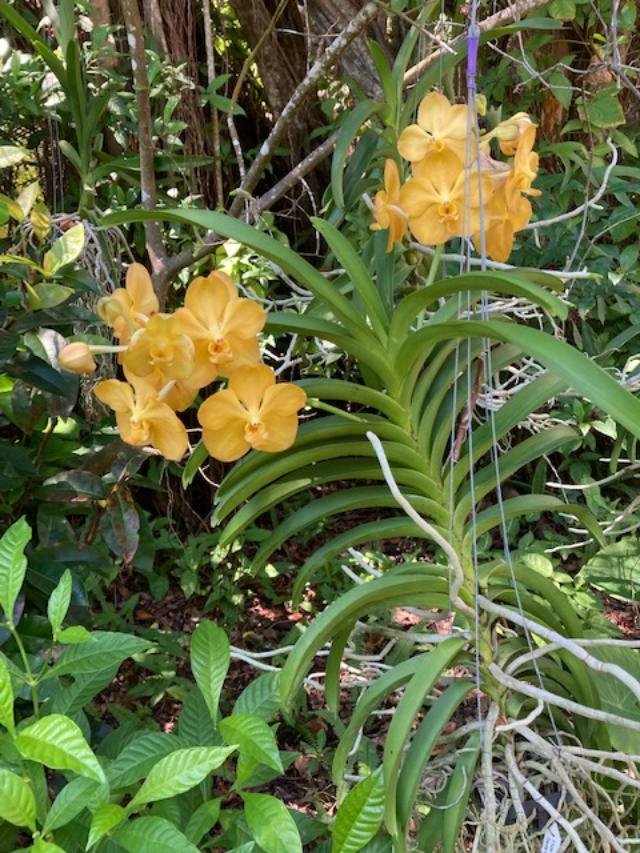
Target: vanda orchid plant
(519,653)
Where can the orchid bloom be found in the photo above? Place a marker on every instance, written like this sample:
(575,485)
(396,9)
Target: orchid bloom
(525,162)
(223,326)
(387,210)
(443,199)
(511,131)
(508,212)
(142,418)
(253,412)
(161,346)
(129,307)
(441,127)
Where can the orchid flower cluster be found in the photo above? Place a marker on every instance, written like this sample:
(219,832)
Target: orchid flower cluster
(167,359)
(446,198)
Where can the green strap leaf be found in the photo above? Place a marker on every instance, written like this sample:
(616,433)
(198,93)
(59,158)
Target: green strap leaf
(360,815)
(57,742)
(178,772)
(210,658)
(578,370)
(380,592)
(271,825)
(347,133)
(13,564)
(268,247)
(17,803)
(422,745)
(358,274)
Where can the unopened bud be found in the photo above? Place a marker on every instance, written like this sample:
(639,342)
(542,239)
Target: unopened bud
(109,309)
(77,358)
(481,105)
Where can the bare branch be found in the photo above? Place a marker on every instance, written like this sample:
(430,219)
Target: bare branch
(297,100)
(514,12)
(135,39)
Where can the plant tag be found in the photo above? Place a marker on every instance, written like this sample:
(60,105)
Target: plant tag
(552,840)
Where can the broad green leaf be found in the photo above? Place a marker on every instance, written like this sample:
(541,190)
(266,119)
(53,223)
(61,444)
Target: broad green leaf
(41,220)
(261,697)
(65,250)
(617,698)
(59,601)
(6,699)
(209,663)
(13,208)
(17,803)
(104,820)
(253,737)
(42,846)
(57,742)
(76,795)
(153,835)
(195,726)
(604,109)
(74,634)
(180,771)
(202,820)
(271,825)
(11,155)
(138,757)
(615,569)
(360,815)
(105,649)
(48,294)
(27,197)
(69,699)
(13,564)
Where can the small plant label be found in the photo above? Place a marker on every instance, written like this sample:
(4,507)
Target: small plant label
(552,840)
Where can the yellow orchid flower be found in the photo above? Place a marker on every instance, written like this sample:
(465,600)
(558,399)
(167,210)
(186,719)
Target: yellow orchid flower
(508,212)
(222,325)
(511,131)
(441,126)
(129,307)
(525,162)
(387,210)
(178,394)
(142,418)
(253,412)
(162,346)
(443,199)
